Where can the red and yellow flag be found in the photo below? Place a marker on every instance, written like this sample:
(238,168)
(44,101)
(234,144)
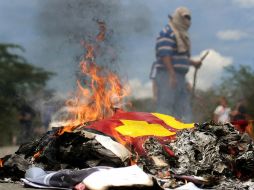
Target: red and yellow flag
(139,124)
(132,129)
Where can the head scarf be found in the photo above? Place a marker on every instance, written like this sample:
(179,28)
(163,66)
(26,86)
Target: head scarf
(180,25)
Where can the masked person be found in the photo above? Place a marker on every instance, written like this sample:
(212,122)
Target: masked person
(172,63)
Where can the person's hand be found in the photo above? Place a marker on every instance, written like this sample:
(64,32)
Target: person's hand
(197,64)
(172,81)
(234,113)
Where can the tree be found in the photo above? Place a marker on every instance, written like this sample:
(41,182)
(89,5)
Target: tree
(19,79)
(238,84)
(204,104)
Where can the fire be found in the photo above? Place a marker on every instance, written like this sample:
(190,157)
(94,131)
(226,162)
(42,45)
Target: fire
(127,142)
(99,92)
(134,160)
(250,128)
(1,162)
(37,154)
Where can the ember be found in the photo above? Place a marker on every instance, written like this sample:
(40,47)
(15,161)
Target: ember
(1,162)
(37,154)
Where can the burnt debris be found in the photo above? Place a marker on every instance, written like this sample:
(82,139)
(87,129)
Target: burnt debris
(208,155)
(71,150)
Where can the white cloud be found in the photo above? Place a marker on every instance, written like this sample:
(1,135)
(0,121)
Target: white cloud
(140,90)
(245,3)
(211,70)
(231,35)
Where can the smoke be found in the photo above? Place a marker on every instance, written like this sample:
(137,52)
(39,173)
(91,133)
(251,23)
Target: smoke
(64,23)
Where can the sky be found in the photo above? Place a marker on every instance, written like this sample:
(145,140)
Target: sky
(51,31)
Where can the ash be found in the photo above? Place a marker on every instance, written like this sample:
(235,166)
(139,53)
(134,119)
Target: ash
(214,150)
(210,155)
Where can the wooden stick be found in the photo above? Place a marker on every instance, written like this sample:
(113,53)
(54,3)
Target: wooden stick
(195,76)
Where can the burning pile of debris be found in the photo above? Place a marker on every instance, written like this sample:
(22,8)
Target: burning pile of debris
(208,155)
(114,142)
(103,147)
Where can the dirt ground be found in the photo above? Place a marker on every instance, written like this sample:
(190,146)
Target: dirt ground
(10,186)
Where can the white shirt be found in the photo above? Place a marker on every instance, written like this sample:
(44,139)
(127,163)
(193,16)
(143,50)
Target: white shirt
(223,114)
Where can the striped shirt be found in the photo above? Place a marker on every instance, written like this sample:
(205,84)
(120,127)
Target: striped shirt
(166,46)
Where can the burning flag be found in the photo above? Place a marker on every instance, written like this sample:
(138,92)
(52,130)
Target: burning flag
(138,124)
(133,127)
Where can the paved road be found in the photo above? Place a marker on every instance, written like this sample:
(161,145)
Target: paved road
(12,186)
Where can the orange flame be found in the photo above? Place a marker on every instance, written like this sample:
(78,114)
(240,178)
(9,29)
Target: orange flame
(134,160)
(98,99)
(99,92)
(250,128)
(37,154)
(1,163)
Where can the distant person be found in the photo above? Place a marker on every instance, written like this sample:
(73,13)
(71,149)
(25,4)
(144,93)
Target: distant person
(240,112)
(222,112)
(173,50)
(26,117)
